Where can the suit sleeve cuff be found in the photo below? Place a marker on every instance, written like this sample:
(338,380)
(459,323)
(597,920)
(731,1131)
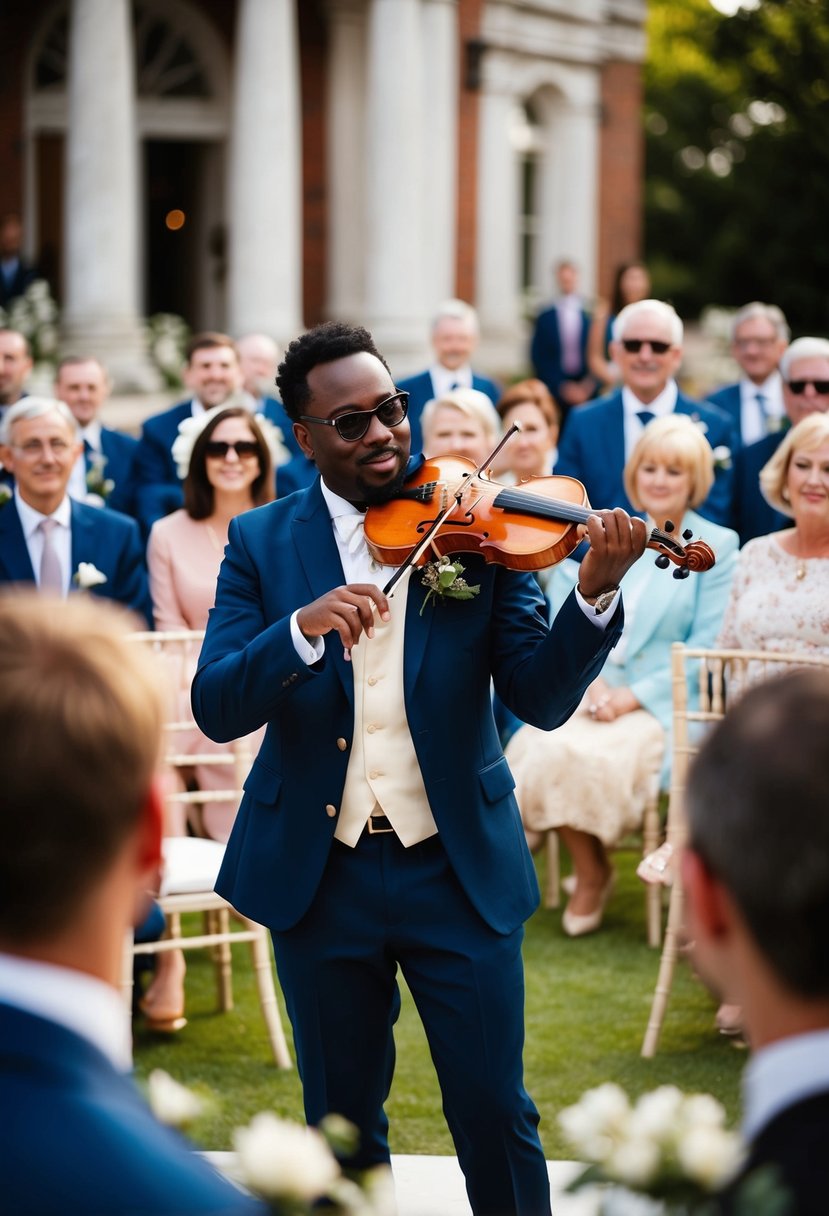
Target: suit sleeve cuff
(604,618)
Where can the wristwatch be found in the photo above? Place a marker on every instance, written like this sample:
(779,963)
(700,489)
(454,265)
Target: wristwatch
(600,602)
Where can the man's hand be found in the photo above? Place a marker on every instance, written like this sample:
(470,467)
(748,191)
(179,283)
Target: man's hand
(347,610)
(617,540)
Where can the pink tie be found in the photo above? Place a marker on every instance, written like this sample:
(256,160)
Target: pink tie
(51,575)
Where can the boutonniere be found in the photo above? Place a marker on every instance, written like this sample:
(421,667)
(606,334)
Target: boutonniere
(87,576)
(5,494)
(96,483)
(722,457)
(443,578)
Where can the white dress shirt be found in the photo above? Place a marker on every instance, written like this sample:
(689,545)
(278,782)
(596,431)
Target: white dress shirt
(75,1000)
(89,434)
(570,323)
(664,404)
(444,380)
(782,1074)
(755,421)
(30,521)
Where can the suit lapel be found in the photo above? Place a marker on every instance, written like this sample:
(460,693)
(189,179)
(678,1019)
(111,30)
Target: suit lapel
(83,541)
(14,555)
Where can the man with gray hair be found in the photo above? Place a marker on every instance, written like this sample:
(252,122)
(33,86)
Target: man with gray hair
(599,436)
(454,338)
(756,881)
(759,335)
(804,370)
(48,539)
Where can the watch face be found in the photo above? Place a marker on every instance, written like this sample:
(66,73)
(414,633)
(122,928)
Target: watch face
(604,601)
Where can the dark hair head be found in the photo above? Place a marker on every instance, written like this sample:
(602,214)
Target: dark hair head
(198,492)
(535,392)
(618,300)
(323,344)
(208,340)
(757,807)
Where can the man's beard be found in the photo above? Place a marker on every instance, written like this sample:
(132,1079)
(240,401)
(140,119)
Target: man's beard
(372,496)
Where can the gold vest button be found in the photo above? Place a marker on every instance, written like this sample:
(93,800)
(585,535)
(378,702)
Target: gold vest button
(342,744)
(371,728)
(372,680)
(330,810)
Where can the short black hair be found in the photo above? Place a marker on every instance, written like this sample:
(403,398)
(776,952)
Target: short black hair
(757,811)
(323,344)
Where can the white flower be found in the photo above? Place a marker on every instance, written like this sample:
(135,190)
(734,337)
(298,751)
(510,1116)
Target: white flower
(278,1158)
(5,493)
(189,430)
(657,1112)
(703,1110)
(709,1155)
(722,456)
(596,1121)
(171,1103)
(634,1161)
(87,575)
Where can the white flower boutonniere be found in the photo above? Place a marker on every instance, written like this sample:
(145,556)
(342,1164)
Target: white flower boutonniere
(96,483)
(722,457)
(171,1102)
(443,578)
(5,495)
(87,575)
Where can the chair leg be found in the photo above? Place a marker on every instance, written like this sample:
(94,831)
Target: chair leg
(263,969)
(653,894)
(552,887)
(224,963)
(127,970)
(667,965)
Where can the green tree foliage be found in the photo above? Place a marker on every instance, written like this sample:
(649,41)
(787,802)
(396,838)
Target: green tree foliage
(737,136)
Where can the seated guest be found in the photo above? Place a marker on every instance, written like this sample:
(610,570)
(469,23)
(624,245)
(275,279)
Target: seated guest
(229,470)
(759,336)
(756,880)
(103,473)
(631,282)
(590,778)
(258,361)
(454,338)
(80,719)
(532,451)
(600,436)
(558,350)
(47,538)
(462,422)
(804,370)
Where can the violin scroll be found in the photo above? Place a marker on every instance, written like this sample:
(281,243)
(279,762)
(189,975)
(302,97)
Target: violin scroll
(697,555)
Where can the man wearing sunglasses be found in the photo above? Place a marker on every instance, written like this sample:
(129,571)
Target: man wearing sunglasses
(599,436)
(805,371)
(379,827)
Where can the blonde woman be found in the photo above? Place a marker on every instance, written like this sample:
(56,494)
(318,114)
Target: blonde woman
(463,422)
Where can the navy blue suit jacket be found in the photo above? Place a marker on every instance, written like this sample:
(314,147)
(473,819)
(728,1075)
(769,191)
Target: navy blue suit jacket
(295,475)
(546,351)
(421,390)
(283,556)
(107,539)
(157,487)
(79,1140)
(120,451)
(752,515)
(274,411)
(592,450)
(729,399)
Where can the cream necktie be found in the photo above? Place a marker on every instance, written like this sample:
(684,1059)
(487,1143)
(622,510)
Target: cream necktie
(51,575)
(351,531)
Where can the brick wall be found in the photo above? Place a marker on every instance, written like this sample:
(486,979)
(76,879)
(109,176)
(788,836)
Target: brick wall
(621,170)
(469,26)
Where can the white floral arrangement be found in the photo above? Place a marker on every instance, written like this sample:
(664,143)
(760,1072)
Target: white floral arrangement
(722,456)
(443,578)
(293,1168)
(668,1146)
(99,486)
(87,576)
(167,336)
(35,315)
(5,493)
(189,430)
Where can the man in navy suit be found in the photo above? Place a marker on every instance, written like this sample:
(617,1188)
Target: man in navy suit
(15,367)
(558,349)
(804,369)
(80,719)
(757,915)
(47,538)
(15,273)
(759,335)
(454,338)
(105,466)
(599,436)
(379,826)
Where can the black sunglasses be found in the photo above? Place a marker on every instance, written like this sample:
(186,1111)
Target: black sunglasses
(799,386)
(217,449)
(354,426)
(634,345)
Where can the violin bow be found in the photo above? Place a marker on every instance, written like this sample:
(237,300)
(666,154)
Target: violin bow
(423,544)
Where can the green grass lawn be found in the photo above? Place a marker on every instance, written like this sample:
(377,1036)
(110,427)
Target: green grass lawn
(587,1006)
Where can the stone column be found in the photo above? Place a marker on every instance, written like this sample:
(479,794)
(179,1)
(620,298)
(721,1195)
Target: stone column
(498,280)
(346,110)
(101,311)
(265,174)
(568,201)
(395,185)
(440,140)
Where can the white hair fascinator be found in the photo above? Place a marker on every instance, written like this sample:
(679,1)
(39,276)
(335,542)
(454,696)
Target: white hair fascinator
(189,430)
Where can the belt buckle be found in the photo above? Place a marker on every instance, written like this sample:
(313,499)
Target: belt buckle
(372,831)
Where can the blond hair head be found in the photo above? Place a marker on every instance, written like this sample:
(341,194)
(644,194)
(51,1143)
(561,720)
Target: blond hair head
(678,439)
(810,432)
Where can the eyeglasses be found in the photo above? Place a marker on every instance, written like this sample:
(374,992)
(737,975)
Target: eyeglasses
(32,449)
(745,343)
(217,449)
(354,426)
(799,386)
(634,345)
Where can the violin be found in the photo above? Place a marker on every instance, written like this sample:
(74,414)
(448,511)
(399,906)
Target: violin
(450,506)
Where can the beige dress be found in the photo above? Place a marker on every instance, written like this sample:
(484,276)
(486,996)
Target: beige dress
(183,558)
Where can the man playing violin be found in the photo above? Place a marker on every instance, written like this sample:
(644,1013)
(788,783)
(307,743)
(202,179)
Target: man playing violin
(379,827)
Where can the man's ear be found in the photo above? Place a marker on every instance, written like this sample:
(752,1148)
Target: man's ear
(303,438)
(708,899)
(149,854)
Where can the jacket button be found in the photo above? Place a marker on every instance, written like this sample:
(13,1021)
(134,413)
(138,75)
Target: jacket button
(342,744)
(330,810)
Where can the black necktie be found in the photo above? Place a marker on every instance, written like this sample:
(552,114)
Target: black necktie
(645,416)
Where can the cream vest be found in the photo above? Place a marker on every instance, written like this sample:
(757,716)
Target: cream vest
(383,772)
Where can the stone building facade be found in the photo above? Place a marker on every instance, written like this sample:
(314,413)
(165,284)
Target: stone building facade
(263,164)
